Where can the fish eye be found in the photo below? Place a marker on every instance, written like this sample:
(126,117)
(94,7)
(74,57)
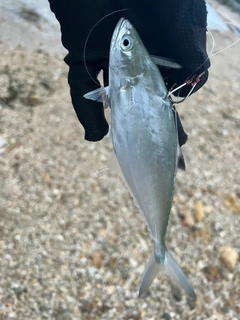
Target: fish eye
(127,43)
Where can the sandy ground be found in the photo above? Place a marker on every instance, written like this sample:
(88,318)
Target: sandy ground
(72,243)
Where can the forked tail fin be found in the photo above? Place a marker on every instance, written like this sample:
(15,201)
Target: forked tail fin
(171,268)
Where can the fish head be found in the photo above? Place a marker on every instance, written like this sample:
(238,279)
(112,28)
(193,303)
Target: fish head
(128,56)
(129,59)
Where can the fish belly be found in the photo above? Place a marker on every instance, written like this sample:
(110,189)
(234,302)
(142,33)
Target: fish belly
(144,139)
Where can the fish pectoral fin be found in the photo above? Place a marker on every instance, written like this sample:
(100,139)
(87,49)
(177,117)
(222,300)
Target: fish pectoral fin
(171,268)
(100,95)
(165,62)
(180,159)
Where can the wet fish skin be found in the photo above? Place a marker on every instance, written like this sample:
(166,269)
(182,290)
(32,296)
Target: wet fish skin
(145,141)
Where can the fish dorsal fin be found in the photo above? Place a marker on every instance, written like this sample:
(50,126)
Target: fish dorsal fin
(100,95)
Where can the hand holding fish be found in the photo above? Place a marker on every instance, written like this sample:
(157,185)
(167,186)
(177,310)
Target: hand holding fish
(168,28)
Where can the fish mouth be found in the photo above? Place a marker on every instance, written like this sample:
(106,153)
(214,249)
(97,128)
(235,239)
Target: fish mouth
(120,24)
(123,24)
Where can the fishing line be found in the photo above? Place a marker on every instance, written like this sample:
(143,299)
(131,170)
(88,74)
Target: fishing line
(183,99)
(213,42)
(171,92)
(86,41)
(210,55)
(187,81)
(232,44)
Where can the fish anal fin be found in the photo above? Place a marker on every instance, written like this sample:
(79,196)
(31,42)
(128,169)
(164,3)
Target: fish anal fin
(180,159)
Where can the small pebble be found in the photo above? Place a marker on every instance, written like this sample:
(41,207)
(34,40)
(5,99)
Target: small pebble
(198,211)
(229,257)
(195,304)
(133,262)
(177,294)
(19,289)
(211,272)
(204,233)
(3,142)
(85,305)
(226,309)
(97,259)
(64,316)
(186,219)
(166,316)
(232,203)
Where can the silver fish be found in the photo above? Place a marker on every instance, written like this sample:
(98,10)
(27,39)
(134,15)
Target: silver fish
(145,141)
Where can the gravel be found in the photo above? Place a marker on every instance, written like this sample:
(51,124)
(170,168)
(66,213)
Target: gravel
(72,243)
